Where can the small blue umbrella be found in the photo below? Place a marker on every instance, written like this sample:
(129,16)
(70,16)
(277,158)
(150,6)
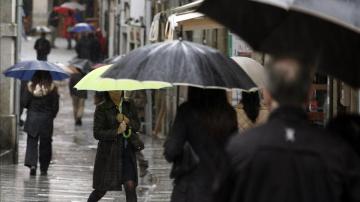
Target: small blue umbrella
(83,27)
(25,70)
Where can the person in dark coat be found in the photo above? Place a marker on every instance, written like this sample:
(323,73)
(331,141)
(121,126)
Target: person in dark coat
(205,122)
(115,126)
(348,127)
(42,47)
(95,48)
(53,22)
(288,159)
(78,96)
(83,47)
(42,101)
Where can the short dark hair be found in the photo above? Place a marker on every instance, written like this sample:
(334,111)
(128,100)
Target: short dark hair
(289,85)
(215,115)
(251,104)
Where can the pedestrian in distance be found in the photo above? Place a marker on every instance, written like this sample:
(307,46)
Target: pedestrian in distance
(69,22)
(115,126)
(95,55)
(54,20)
(196,143)
(42,101)
(348,127)
(289,159)
(251,111)
(78,97)
(42,47)
(83,47)
(103,42)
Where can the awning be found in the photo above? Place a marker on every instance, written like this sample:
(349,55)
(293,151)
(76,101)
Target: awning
(195,20)
(188,20)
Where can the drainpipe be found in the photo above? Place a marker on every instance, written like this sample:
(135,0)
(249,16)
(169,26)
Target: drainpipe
(111,27)
(19,22)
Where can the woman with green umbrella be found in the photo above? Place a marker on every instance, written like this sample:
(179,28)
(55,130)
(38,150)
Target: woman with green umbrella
(115,126)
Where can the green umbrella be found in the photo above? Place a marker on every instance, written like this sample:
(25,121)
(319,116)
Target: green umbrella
(94,81)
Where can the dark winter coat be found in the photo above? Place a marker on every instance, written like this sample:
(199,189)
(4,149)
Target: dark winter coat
(42,110)
(83,48)
(288,160)
(108,163)
(74,79)
(195,186)
(43,48)
(95,50)
(54,19)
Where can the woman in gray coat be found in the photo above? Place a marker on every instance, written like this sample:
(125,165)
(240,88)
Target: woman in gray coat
(115,126)
(42,101)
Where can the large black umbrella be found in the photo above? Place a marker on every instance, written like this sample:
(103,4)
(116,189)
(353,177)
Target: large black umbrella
(181,63)
(327,31)
(113,59)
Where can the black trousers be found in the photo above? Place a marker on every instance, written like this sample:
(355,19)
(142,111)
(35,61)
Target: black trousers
(35,152)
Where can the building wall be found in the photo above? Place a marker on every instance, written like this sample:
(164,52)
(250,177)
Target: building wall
(137,9)
(40,12)
(8,34)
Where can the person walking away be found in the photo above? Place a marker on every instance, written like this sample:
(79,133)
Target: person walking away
(42,101)
(348,127)
(289,159)
(95,48)
(78,96)
(83,47)
(53,22)
(69,22)
(251,111)
(42,47)
(79,16)
(103,43)
(204,123)
(115,126)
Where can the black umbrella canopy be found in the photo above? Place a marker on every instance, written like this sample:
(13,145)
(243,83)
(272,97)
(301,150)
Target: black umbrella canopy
(181,63)
(325,31)
(113,60)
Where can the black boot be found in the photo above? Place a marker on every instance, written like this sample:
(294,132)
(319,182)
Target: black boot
(43,173)
(78,122)
(96,195)
(33,170)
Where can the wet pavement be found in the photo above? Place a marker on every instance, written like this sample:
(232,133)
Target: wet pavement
(70,174)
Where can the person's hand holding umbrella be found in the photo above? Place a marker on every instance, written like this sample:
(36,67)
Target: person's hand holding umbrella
(122,118)
(122,128)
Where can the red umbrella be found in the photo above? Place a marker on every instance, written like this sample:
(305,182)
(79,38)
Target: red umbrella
(63,10)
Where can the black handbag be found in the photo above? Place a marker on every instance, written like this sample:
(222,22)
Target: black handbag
(136,142)
(185,163)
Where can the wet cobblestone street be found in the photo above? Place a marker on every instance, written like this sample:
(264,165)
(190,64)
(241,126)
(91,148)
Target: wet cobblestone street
(70,173)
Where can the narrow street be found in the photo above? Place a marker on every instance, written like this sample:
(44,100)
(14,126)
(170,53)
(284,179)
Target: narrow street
(70,174)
